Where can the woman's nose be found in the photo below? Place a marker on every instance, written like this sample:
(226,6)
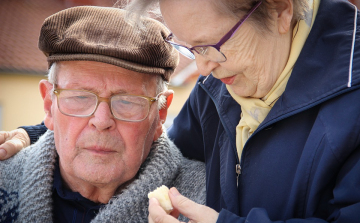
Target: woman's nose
(205,66)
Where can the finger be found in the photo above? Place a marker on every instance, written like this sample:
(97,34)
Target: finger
(184,205)
(8,149)
(3,136)
(195,212)
(23,136)
(2,153)
(157,213)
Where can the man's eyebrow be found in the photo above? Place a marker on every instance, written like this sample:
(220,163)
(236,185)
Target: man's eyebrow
(120,92)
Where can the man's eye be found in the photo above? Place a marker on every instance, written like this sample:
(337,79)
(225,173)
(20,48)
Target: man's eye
(121,103)
(82,97)
(79,99)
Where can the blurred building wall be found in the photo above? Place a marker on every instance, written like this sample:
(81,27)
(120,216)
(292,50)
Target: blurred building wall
(20,100)
(22,64)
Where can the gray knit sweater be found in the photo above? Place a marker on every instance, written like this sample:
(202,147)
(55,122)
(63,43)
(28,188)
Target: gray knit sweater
(26,182)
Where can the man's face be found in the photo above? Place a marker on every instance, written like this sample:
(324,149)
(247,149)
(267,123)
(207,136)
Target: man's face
(101,150)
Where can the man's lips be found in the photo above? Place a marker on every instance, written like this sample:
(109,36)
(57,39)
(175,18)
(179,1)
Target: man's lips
(228,80)
(99,150)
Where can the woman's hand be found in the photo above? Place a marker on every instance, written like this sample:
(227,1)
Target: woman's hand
(195,212)
(12,142)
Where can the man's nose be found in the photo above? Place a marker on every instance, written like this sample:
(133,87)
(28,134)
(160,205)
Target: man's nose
(205,66)
(102,119)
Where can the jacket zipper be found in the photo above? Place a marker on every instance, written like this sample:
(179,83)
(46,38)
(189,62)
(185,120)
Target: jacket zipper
(238,172)
(237,166)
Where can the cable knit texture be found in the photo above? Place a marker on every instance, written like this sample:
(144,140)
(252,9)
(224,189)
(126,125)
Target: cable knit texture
(26,182)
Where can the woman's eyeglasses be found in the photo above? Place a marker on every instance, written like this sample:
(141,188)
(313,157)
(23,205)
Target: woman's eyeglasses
(210,52)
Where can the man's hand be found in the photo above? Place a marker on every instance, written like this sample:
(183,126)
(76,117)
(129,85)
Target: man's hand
(195,212)
(12,142)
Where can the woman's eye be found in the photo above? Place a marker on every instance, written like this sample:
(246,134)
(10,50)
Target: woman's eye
(202,50)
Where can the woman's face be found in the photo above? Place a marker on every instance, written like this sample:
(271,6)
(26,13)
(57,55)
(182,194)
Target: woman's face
(254,59)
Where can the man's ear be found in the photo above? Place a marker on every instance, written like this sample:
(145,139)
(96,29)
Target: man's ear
(169,94)
(45,91)
(284,12)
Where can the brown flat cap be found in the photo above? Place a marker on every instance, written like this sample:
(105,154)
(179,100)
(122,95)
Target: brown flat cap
(101,34)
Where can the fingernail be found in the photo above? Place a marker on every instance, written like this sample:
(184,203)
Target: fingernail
(2,153)
(174,192)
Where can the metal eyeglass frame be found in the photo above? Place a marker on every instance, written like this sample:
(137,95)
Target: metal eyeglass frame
(217,46)
(99,99)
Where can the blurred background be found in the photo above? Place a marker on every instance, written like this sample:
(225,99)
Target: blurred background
(22,64)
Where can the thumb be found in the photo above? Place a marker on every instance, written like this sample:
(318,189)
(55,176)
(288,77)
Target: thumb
(192,210)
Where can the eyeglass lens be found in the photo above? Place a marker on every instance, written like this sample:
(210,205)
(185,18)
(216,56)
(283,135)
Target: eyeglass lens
(184,51)
(210,53)
(83,103)
(129,107)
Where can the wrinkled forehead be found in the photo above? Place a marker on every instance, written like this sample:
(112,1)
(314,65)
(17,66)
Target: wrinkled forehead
(102,77)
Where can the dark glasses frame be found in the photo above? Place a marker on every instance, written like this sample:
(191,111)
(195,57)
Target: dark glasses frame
(217,46)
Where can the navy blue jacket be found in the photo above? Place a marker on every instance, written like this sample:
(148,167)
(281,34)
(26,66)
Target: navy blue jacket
(302,164)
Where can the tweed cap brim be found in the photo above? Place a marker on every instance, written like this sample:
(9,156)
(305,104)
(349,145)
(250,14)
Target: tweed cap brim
(101,34)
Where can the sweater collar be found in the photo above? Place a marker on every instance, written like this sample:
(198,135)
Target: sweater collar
(160,168)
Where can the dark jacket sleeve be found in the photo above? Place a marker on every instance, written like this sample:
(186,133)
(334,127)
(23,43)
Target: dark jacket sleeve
(186,130)
(259,215)
(35,131)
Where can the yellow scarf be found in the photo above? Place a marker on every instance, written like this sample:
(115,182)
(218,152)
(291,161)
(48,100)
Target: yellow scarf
(254,110)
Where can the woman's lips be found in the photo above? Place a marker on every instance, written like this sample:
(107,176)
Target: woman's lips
(228,80)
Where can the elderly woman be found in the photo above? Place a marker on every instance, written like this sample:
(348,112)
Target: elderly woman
(275,114)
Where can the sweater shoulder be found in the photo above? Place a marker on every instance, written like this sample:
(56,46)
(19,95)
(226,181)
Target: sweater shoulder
(11,173)
(12,169)
(191,181)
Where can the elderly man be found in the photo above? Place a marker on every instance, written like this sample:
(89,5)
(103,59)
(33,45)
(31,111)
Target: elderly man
(105,102)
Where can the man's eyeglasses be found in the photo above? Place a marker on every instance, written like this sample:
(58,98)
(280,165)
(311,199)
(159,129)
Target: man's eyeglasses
(82,103)
(210,52)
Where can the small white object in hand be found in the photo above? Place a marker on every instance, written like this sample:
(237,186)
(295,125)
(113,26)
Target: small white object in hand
(162,195)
